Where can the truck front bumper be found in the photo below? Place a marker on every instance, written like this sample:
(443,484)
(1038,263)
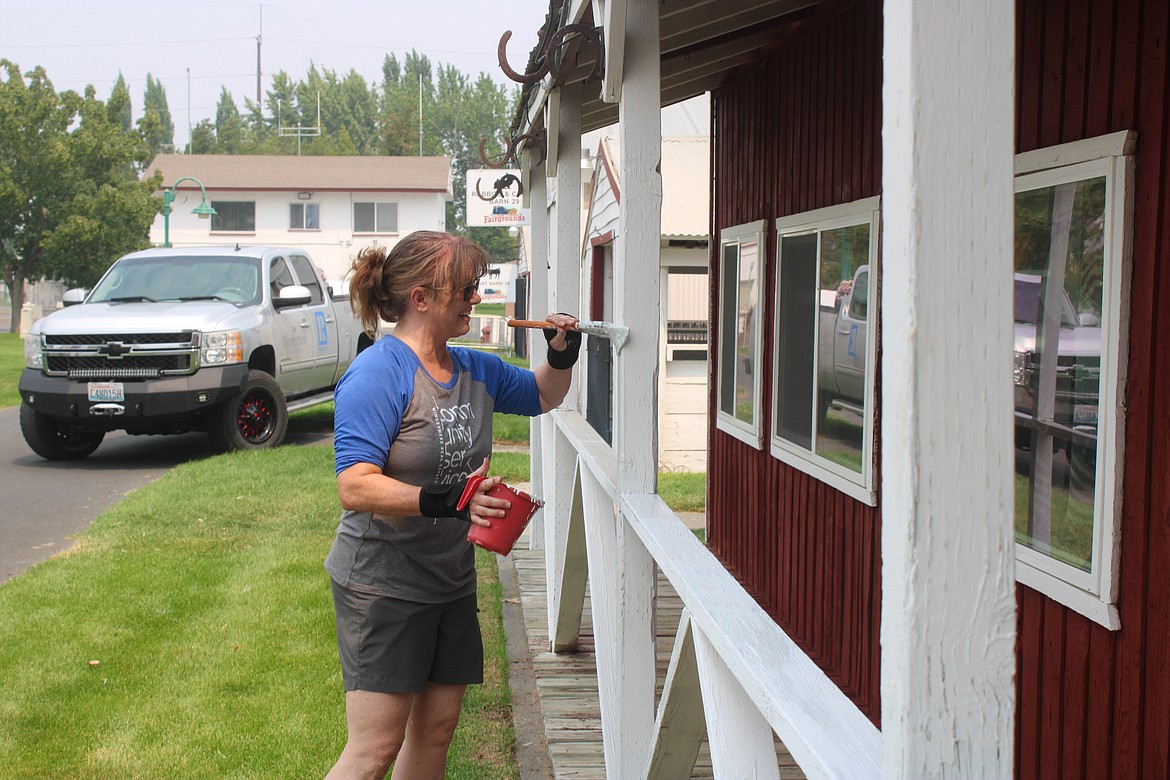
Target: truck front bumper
(144,399)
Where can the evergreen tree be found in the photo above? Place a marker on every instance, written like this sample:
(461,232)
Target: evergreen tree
(229,128)
(119,105)
(160,130)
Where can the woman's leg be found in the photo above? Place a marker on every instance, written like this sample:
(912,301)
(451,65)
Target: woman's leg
(377,726)
(433,718)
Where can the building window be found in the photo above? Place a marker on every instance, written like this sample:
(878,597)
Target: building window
(823,378)
(375,217)
(741,252)
(235,216)
(304,216)
(1071,224)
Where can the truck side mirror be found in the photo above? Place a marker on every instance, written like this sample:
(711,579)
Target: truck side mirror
(293,295)
(74,296)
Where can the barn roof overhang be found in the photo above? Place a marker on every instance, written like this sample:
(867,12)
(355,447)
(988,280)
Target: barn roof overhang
(701,43)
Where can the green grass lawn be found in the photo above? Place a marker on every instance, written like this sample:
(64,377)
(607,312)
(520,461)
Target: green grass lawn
(510,428)
(189,633)
(11,364)
(489,310)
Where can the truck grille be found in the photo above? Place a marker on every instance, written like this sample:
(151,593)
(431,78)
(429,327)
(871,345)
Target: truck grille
(122,355)
(83,367)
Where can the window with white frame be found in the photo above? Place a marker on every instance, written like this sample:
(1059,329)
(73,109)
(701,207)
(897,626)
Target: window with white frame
(304,216)
(825,332)
(380,217)
(233,216)
(1072,220)
(741,253)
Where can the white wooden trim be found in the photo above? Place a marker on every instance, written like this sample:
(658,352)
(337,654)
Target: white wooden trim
(552,136)
(750,434)
(1123,142)
(612,15)
(680,727)
(595,455)
(565,566)
(859,486)
(1057,589)
(565,295)
(622,585)
(822,729)
(1094,594)
(948,569)
(537,299)
(637,297)
(740,739)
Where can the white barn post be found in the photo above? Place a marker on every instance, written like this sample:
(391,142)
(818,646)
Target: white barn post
(537,307)
(565,296)
(636,304)
(948,572)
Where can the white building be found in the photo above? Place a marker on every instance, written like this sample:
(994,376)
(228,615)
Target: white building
(330,206)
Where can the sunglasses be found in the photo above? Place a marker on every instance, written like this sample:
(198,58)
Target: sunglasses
(467,292)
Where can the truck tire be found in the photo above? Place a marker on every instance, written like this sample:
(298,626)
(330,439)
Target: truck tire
(56,440)
(254,419)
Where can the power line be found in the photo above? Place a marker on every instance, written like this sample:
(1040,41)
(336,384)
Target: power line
(126,43)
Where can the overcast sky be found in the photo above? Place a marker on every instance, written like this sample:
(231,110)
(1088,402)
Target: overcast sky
(81,43)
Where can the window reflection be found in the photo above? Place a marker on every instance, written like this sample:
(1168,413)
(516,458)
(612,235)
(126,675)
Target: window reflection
(1059,266)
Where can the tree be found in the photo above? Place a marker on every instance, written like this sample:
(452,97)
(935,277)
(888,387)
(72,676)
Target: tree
(70,202)
(156,122)
(120,107)
(229,128)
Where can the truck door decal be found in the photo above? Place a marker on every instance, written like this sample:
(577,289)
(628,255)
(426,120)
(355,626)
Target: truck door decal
(853,340)
(323,330)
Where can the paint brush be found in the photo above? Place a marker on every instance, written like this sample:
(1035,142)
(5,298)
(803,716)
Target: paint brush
(617,334)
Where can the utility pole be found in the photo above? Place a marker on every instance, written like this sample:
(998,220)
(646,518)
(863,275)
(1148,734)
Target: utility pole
(188,109)
(258,40)
(420,114)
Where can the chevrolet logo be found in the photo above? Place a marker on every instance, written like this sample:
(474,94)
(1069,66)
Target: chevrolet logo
(115,350)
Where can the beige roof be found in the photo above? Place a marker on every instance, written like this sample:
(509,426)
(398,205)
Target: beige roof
(284,172)
(686,183)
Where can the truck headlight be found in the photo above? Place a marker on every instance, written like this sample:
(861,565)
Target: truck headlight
(221,348)
(1019,367)
(34,357)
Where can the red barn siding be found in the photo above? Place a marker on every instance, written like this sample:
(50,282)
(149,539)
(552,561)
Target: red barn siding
(1094,703)
(800,132)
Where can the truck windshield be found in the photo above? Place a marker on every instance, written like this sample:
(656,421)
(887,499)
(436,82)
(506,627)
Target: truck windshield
(232,279)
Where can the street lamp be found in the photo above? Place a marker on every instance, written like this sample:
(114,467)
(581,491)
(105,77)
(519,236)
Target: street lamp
(203,209)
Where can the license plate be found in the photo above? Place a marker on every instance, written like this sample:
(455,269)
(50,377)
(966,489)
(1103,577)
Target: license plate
(106,391)
(1085,414)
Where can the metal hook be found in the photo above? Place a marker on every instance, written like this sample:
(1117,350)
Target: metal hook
(547,60)
(535,139)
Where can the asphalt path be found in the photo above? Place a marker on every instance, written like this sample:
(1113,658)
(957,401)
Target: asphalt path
(43,503)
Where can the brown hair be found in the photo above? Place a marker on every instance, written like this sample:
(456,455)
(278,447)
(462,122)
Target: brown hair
(381,280)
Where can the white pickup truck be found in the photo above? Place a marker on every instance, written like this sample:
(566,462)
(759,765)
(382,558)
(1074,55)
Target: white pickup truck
(226,340)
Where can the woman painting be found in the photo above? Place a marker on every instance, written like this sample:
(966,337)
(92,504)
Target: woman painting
(413,420)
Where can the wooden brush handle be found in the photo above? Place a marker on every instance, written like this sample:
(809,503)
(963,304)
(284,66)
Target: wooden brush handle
(533,324)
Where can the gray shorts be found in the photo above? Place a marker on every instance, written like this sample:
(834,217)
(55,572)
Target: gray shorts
(389,645)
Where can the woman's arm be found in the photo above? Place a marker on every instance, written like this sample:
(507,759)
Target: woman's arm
(364,488)
(553,383)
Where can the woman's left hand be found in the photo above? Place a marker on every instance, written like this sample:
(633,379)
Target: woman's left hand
(558,342)
(483,507)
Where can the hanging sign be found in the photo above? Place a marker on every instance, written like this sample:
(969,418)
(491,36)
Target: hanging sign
(493,198)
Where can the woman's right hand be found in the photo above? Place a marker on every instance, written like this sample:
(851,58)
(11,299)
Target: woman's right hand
(482,506)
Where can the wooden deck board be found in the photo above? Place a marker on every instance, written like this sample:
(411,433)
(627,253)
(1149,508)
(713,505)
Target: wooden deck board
(567,682)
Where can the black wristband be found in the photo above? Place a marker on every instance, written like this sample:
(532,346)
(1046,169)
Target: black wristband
(567,357)
(442,501)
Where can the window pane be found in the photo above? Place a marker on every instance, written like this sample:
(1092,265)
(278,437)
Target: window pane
(797,313)
(363,217)
(841,346)
(307,278)
(233,215)
(387,217)
(280,276)
(1059,266)
(312,216)
(746,364)
(730,273)
(296,216)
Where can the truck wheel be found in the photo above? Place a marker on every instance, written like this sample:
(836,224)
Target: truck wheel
(56,440)
(253,419)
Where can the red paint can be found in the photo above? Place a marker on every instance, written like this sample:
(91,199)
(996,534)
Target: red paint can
(504,530)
